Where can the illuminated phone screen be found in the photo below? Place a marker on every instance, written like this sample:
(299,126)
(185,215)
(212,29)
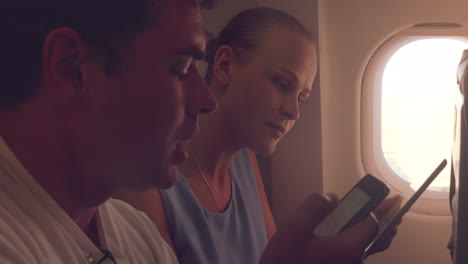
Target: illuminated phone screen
(350,206)
(343,213)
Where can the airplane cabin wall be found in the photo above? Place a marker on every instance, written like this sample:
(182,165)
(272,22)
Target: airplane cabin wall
(349,32)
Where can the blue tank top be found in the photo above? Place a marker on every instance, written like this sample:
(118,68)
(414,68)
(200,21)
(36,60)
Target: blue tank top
(237,235)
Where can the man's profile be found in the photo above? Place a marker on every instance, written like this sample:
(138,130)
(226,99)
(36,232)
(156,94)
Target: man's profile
(95,97)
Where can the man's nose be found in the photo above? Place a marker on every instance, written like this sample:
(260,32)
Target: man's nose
(199,98)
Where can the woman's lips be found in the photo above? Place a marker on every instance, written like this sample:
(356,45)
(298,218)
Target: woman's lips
(278,129)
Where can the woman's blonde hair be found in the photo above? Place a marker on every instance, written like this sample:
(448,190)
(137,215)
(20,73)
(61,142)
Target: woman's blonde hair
(244,31)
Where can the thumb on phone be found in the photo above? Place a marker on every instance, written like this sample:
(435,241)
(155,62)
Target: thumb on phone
(387,204)
(312,211)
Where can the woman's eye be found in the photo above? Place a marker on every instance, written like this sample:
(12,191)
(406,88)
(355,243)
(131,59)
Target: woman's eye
(283,85)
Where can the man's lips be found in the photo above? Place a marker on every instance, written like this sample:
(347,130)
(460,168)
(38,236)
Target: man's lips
(179,154)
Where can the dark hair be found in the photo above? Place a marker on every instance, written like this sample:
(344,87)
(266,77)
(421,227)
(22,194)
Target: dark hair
(244,31)
(105,25)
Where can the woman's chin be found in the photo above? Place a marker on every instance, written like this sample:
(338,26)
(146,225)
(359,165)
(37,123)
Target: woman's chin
(264,149)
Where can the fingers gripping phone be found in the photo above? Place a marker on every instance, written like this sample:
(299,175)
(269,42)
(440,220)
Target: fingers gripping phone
(357,204)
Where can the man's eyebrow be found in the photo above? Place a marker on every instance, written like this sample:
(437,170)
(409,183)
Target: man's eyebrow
(195,52)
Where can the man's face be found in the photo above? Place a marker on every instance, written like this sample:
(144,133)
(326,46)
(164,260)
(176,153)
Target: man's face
(138,118)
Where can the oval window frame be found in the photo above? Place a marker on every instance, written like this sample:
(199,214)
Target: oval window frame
(431,202)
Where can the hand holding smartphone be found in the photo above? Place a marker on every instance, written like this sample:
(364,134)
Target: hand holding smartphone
(357,204)
(362,199)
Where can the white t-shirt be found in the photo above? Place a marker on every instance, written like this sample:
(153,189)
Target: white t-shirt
(35,229)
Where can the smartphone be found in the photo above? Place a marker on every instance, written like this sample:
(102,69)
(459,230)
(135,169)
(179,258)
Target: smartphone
(357,204)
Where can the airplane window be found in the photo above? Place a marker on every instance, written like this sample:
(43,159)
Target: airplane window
(418,99)
(410,100)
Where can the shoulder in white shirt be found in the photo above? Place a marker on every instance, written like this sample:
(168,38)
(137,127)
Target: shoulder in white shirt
(35,229)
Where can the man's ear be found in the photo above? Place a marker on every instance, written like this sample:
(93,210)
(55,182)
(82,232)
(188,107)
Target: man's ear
(63,58)
(223,61)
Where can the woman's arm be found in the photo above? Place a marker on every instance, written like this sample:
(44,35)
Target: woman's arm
(268,217)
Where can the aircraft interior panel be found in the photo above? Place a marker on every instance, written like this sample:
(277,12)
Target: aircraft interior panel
(350,34)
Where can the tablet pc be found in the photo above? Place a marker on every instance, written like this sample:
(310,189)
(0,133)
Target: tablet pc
(394,218)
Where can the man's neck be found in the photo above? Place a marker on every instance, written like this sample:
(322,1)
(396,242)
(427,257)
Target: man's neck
(88,222)
(41,152)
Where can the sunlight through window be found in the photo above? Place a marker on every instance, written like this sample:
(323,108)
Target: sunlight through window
(419,95)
